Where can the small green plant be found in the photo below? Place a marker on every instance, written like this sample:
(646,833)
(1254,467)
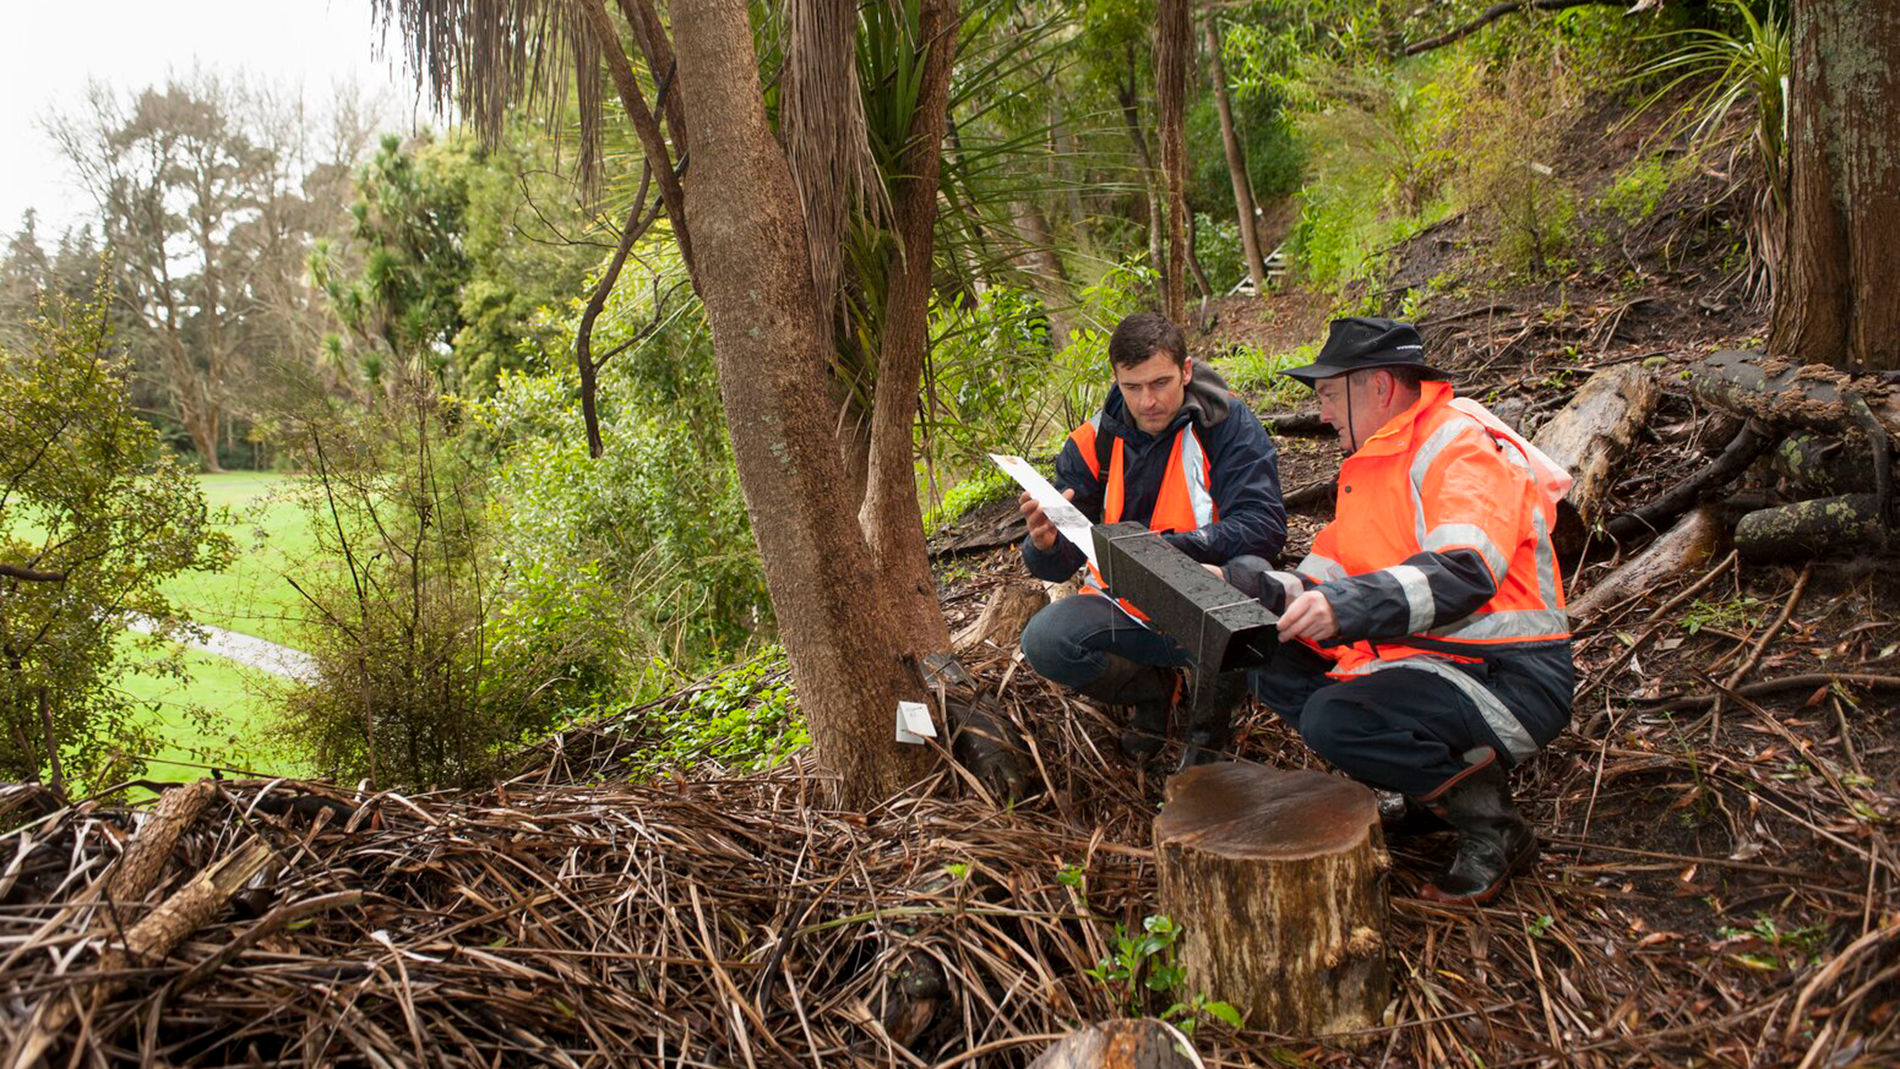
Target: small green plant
(1256,374)
(1776,947)
(1146,964)
(1541,926)
(981,486)
(1727,615)
(1638,190)
(1140,963)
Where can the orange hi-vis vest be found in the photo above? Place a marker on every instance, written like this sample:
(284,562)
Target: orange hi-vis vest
(1185,502)
(1432,480)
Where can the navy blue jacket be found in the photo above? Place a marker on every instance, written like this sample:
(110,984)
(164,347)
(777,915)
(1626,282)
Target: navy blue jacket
(1244,477)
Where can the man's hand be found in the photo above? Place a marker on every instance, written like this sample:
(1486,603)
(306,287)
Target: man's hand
(1042,529)
(1310,617)
(1217,571)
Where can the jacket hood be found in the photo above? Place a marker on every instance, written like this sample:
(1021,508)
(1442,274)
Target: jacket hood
(1207,403)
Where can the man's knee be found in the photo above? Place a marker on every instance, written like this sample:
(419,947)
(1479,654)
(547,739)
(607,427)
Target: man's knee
(1327,725)
(1051,646)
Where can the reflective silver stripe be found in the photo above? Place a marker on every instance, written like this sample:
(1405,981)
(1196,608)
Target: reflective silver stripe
(1290,583)
(1515,623)
(1194,472)
(1418,596)
(1324,569)
(1468,534)
(1546,561)
(1422,464)
(1096,421)
(1503,723)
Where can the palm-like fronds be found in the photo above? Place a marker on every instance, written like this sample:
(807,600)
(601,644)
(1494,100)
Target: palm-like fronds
(1733,70)
(482,59)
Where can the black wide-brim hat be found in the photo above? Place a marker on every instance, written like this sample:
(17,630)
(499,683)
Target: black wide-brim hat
(1360,343)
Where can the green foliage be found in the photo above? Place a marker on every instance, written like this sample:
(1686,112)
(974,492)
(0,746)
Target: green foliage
(984,484)
(745,718)
(1141,963)
(1255,374)
(1746,65)
(420,679)
(90,496)
(651,542)
(1638,189)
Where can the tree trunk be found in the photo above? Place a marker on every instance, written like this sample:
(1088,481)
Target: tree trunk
(1173,44)
(1151,184)
(1236,162)
(1044,267)
(1278,880)
(892,521)
(772,341)
(1834,300)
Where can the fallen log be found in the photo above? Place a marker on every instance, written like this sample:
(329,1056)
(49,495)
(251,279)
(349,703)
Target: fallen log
(1278,880)
(1314,494)
(1144,1043)
(1782,394)
(144,859)
(1588,438)
(1820,465)
(1003,617)
(1814,528)
(1751,442)
(1683,548)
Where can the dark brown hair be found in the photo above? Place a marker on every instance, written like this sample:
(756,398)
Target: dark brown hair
(1142,335)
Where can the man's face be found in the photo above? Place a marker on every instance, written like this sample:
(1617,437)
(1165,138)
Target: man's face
(1354,406)
(1155,389)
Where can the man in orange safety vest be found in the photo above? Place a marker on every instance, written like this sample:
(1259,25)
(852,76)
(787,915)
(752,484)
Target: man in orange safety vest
(1424,644)
(1173,449)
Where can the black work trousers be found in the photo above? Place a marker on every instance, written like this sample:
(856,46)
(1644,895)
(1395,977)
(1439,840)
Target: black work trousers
(1402,729)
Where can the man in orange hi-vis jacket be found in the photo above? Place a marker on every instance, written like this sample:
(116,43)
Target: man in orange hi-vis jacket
(1172,449)
(1424,644)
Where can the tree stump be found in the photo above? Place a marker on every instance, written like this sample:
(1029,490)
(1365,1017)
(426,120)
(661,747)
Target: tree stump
(1278,879)
(1003,617)
(1138,1044)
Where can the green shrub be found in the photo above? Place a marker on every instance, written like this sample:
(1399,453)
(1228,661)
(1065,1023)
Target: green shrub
(103,516)
(743,719)
(1256,374)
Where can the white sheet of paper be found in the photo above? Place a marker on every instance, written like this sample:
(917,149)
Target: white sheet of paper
(1069,521)
(914,723)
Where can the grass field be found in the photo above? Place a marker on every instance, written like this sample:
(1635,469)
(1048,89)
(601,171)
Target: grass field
(271,532)
(252,597)
(219,715)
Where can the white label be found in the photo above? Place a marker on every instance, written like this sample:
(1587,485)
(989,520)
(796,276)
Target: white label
(914,723)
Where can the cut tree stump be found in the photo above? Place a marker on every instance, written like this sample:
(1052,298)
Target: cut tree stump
(1135,1044)
(1277,878)
(1689,545)
(1003,616)
(1588,438)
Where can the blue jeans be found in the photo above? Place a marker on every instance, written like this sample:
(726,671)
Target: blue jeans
(1066,642)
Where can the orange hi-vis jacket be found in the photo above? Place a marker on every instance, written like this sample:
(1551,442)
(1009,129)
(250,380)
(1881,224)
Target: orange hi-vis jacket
(1185,502)
(1439,558)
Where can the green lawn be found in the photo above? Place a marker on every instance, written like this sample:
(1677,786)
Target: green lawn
(219,715)
(251,596)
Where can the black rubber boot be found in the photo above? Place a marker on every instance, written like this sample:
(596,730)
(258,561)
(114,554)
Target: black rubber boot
(1401,817)
(1494,839)
(1210,726)
(1148,690)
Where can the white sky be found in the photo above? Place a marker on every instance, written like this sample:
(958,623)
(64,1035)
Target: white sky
(129,44)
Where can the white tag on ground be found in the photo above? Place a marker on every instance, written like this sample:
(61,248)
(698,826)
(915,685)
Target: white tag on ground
(914,723)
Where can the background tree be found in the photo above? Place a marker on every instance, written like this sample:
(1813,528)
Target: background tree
(848,577)
(1835,301)
(94,517)
(200,189)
